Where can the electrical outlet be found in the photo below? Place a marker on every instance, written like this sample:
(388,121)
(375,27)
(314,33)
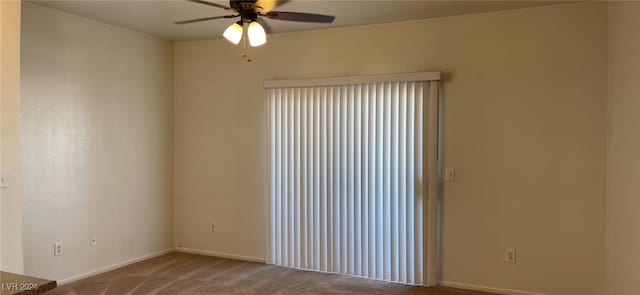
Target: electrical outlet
(213,226)
(93,241)
(58,249)
(510,256)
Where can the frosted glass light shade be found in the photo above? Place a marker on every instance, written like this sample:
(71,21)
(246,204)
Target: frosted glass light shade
(233,33)
(257,35)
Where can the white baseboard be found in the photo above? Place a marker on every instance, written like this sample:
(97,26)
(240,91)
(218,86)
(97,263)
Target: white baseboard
(487,289)
(113,266)
(219,254)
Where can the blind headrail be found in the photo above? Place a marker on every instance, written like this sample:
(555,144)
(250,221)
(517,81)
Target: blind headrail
(351,80)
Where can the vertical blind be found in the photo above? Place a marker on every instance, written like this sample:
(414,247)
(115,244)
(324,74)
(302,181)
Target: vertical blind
(352,170)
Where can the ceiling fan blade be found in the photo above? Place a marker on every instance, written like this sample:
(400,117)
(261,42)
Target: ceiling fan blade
(265,25)
(300,17)
(268,5)
(212,4)
(203,19)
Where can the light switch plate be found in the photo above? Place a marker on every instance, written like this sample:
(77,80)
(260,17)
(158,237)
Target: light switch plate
(450,174)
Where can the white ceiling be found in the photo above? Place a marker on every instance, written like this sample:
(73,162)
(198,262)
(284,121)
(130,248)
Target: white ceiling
(156,17)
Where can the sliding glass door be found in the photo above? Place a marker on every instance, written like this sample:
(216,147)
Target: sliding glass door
(352,170)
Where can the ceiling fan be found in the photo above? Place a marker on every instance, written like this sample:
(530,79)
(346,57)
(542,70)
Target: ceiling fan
(251,13)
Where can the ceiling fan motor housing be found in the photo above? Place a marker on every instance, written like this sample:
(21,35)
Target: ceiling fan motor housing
(247,9)
(244,5)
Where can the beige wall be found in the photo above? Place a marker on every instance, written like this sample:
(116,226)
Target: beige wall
(11,198)
(97,136)
(623,220)
(525,127)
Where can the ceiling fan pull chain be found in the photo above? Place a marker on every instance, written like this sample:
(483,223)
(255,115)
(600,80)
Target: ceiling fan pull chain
(245,55)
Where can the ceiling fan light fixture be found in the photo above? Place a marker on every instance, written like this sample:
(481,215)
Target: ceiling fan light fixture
(257,35)
(234,33)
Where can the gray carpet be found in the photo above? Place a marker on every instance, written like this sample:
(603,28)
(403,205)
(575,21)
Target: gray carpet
(179,273)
